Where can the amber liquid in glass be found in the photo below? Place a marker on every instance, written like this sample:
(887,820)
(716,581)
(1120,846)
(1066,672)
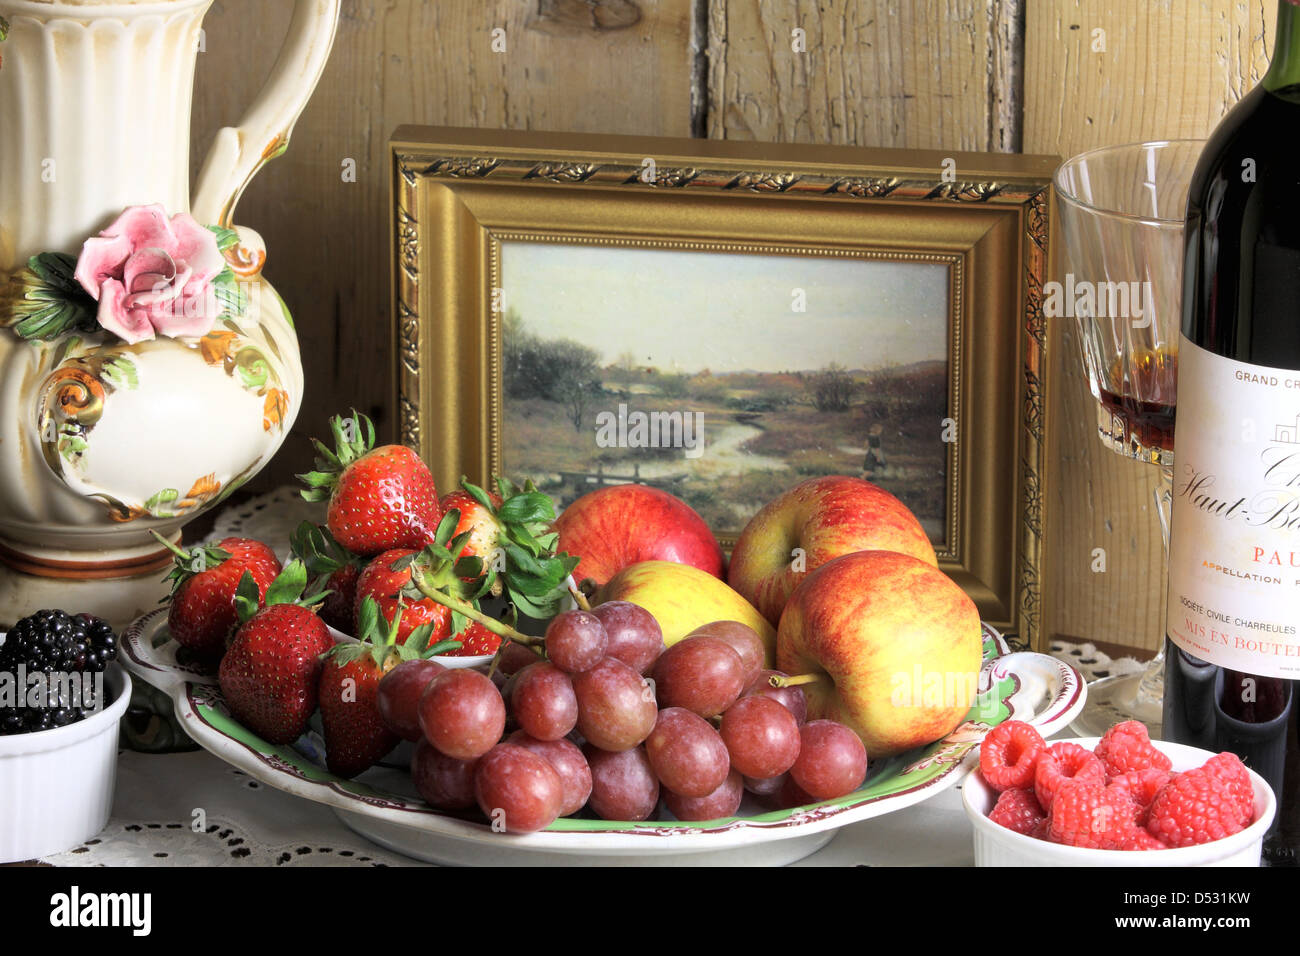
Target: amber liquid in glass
(1147,404)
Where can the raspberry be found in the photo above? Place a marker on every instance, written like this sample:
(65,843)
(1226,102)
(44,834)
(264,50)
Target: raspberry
(1132,809)
(1232,773)
(1064,762)
(1194,807)
(1136,838)
(1018,810)
(1127,747)
(1009,754)
(1089,815)
(1142,786)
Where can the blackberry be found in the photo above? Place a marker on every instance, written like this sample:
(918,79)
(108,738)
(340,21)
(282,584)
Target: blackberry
(61,646)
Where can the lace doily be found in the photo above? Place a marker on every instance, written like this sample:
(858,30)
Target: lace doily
(271,518)
(1092,663)
(192,809)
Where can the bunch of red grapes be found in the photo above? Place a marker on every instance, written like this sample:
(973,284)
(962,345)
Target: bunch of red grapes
(611,721)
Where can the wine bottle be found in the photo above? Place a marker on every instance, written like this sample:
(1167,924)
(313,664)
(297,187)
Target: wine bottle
(1233,623)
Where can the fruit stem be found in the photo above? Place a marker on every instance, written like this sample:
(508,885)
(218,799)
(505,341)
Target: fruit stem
(579,598)
(499,628)
(170,546)
(776,680)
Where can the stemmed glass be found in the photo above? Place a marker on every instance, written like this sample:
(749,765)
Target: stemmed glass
(1121,212)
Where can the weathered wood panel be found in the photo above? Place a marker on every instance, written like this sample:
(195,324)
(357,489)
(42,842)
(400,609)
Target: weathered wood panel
(926,74)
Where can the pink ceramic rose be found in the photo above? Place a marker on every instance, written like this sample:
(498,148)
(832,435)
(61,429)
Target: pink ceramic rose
(152,276)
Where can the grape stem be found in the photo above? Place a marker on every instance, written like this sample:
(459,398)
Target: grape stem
(499,628)
(580,599)
(776,680)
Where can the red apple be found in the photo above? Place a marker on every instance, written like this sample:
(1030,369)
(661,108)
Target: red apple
(815,522)
(895,645)
(620,525)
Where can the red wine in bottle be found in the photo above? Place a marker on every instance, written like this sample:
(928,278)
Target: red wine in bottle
(1233,626)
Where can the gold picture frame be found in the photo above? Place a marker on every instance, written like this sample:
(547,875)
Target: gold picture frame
(459,194)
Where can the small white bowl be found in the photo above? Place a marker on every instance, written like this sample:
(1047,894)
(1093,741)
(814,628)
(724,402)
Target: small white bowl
(995,845)
(449,661)
(56,786)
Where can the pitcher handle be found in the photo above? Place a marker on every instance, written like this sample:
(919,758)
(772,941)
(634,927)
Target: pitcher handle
(239,152)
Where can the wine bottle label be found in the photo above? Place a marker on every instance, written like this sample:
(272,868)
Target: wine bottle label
(1234,550)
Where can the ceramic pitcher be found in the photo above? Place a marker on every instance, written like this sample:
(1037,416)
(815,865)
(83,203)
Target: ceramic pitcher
(147,369)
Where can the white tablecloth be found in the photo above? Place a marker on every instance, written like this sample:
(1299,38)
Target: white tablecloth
(191,809)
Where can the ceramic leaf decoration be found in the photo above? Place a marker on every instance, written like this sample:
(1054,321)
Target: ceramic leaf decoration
(45,301)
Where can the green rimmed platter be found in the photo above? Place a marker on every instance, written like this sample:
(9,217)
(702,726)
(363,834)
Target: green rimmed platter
(382,804)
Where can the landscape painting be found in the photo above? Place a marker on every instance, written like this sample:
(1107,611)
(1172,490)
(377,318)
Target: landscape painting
(724,377)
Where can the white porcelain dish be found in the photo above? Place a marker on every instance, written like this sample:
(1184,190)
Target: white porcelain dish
(995,845)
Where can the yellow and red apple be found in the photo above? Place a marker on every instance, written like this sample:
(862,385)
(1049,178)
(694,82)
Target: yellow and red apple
(895,646)
(682,598)
(813,523)
(620,525)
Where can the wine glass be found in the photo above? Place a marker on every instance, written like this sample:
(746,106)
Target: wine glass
(1121,215)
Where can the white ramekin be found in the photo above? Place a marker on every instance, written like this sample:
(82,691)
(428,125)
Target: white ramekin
(56,786)
(995,845)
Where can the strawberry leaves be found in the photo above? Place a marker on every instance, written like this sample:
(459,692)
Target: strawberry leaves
(190,563)
(534,575)
(287,588)
(525,566)
(354,437)
(439,568)
(377,636)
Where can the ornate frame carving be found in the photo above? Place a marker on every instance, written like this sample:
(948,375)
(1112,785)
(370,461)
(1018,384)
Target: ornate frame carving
(457,192)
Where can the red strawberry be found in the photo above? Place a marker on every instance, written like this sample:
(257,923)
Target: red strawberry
(379,498)
(390,590)
(475,639)
(333,568)
(477,519)
(336,610)
(356,735)
(271,670)
(202,612)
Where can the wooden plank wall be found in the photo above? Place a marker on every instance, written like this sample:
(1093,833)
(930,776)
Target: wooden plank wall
(946,74)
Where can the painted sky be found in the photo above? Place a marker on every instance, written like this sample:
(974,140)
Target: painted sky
(686,311)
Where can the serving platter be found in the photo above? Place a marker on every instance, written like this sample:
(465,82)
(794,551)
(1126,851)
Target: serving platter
(383,806)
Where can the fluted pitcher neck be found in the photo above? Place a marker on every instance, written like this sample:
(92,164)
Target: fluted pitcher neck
(94,116)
